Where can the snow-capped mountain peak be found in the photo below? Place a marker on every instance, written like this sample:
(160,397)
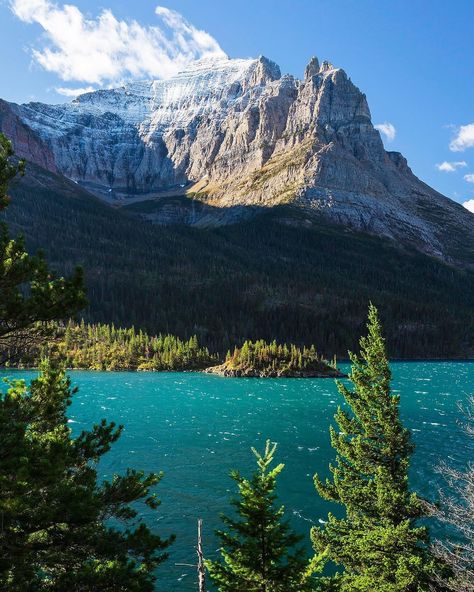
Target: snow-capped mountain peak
(241,135)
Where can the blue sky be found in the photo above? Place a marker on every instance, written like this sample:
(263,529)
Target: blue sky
(413,59)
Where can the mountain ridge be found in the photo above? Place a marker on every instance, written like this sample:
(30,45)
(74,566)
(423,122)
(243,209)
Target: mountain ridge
(234,135)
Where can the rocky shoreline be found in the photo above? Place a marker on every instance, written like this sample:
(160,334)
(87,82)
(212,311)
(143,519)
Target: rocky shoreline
(227,372)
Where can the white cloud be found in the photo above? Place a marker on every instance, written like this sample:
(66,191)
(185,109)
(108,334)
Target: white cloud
(469,178)
(450,167)
(387,129)
(73,92)
(469,205)
(464,138)
(105,50)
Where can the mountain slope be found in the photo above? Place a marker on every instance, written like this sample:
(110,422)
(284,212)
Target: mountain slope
(277,275)
(236,136)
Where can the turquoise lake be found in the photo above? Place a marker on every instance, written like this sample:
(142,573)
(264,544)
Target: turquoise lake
(197,427)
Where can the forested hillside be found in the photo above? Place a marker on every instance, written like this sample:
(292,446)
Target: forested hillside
(277,276)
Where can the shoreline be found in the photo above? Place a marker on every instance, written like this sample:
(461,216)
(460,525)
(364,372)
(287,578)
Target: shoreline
(208,370)
(225,372)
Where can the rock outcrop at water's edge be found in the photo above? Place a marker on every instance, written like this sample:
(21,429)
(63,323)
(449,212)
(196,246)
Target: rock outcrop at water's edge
(228,372)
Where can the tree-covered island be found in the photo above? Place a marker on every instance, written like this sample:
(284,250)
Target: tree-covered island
(259,359)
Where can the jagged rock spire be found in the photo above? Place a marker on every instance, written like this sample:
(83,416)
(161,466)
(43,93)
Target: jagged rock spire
(312,68)
(267,70)
(325,66)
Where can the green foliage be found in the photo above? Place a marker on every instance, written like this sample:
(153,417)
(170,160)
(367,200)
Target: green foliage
(378,542)
(30,295)
(57,522)
(258,549)
(105,347)
(274,359)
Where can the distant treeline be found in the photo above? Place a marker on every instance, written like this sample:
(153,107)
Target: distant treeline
(86,346)
(105,347)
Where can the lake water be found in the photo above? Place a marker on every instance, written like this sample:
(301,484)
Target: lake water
(197,427)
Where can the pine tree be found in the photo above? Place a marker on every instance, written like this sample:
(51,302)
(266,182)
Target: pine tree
(258,549)
(58,524)
(378,543)
(30,294)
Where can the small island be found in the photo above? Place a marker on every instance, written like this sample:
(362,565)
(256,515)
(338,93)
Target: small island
(259,359)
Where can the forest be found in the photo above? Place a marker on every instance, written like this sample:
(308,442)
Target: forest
(64,528)
(84,346)
(276,276)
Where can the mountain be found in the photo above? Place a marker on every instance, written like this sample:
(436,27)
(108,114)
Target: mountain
(236,203)
(234,136)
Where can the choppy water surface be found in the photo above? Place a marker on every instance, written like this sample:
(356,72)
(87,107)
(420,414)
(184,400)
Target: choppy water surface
(197,427)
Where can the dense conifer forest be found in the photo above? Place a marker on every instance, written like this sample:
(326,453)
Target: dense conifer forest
(84,346)
(277,276)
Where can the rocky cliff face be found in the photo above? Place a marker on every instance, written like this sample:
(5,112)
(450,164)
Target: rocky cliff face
(235,134)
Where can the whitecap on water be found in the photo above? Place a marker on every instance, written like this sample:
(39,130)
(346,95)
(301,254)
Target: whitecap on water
(300,515)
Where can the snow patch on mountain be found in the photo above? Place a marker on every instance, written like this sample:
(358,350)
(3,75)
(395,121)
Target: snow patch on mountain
(206,86)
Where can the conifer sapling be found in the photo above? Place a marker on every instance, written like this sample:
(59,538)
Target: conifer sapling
(260,552)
